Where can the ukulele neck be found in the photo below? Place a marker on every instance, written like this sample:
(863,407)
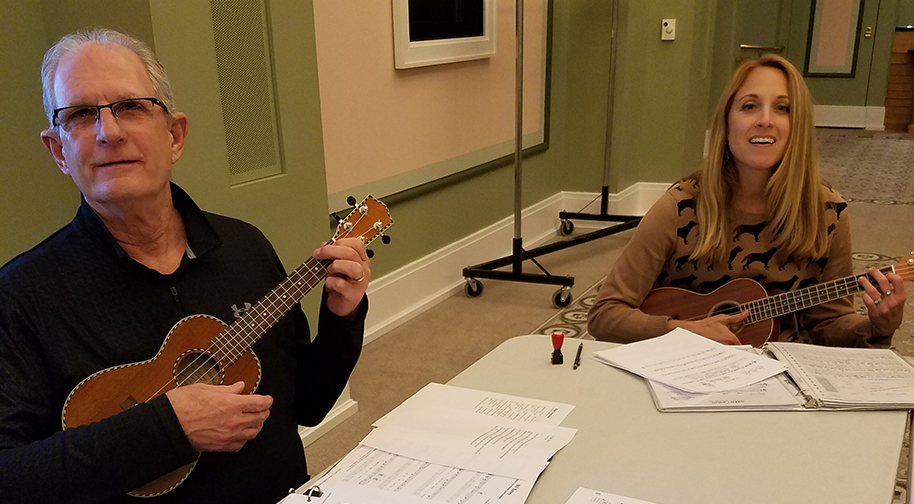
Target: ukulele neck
(237,338)
(782,304)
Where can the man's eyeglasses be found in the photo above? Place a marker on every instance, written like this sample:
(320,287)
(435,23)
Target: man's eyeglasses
(86,116)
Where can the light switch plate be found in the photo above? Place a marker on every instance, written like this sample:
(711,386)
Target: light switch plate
(668,29)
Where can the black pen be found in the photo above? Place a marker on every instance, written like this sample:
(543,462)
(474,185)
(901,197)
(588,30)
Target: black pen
(577,358)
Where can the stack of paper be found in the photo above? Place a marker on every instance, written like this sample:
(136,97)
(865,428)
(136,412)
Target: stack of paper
(686,361)
(687,372)
(449,444)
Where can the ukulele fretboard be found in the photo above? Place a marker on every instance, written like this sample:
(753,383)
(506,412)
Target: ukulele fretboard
(793,301)
(238,337)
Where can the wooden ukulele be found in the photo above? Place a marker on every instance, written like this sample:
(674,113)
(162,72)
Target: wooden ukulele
(741,294)
(203,349)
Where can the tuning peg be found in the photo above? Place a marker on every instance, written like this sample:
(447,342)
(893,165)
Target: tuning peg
(370,253)
(385,239)
(350,201)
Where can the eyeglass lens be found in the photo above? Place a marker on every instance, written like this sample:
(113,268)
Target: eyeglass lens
(82,116)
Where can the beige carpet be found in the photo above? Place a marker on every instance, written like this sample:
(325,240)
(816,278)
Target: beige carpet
(443,341)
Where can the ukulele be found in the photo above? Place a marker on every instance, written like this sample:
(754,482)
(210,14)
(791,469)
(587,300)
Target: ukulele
(203,349)
(742,294)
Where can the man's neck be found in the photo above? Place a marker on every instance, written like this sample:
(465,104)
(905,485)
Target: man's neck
(151,232)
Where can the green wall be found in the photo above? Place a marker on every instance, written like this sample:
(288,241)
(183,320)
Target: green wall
(905,13)
(35,197)
(661,100)
(664,91)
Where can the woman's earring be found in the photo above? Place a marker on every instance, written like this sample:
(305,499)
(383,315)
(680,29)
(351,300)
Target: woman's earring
(726,152)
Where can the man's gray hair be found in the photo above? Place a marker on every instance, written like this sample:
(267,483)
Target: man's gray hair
(73,41)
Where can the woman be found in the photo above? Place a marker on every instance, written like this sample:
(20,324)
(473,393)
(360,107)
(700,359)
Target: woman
(756,209)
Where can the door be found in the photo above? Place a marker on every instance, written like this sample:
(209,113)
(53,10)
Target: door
(762,26)
(746,29)
(805,38)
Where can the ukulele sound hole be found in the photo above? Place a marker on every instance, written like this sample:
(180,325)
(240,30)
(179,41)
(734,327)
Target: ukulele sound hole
(197,367)
(728,308)
(725,308)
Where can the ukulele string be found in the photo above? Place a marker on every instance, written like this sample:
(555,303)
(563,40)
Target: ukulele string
(199,370)
(903,270)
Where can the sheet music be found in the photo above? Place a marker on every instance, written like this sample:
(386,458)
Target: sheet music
(689,362)
(480,402)
(850,375)
(387,477)
(495,445)
(588,496)
(453,445)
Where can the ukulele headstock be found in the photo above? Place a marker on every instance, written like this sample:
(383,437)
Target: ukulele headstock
(367,221)
(905,268)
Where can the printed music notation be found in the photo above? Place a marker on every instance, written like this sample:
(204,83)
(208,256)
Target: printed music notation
(451,445)
(863,377)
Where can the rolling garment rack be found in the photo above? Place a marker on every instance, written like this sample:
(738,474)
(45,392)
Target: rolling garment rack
(626,221)
(562,297)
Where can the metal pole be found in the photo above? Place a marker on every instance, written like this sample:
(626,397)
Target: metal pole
(519,116)
(609,106)
(518,242)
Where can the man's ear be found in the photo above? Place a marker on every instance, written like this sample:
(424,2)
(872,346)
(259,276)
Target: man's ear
(51,141)
(178,130)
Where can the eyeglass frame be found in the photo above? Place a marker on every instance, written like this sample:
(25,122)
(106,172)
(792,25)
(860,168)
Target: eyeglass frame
(98,109)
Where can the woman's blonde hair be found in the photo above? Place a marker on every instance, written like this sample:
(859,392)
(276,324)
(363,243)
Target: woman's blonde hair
(794,191)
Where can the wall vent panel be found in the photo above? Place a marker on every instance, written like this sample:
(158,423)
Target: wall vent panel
(244,64)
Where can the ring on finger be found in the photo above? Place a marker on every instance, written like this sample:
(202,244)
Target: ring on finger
(877,301)
(361,278)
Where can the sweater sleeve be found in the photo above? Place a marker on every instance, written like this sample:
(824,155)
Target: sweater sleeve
(324,364)
(615,315)
(835,323)
(41,462)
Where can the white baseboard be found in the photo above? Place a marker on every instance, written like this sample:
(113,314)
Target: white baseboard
(838,116)
(405,293)
(401,295)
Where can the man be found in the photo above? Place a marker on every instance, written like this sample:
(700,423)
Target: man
(106,289)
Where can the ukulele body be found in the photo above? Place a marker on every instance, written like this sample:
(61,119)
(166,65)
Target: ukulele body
(183,358)
(681,304)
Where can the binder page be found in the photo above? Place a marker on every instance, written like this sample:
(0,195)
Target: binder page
(588,496)
(775,393)
(850,376)
(478,402)
(689,362)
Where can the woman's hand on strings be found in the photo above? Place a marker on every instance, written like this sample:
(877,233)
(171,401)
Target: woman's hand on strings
(884,301)
(716,328)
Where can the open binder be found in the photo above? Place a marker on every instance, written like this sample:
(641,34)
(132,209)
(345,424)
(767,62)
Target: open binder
(817,378)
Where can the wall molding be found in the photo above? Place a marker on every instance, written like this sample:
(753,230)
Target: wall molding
(846,116)
(412,289)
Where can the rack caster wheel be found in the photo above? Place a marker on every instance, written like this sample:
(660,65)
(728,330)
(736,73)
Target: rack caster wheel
(473,288)
(562,297)
(567,227)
